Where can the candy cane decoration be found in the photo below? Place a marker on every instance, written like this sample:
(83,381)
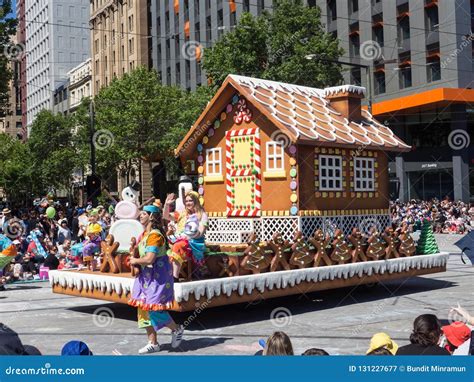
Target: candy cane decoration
(255,171)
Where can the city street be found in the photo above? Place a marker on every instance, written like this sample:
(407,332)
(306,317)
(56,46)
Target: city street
(339,321)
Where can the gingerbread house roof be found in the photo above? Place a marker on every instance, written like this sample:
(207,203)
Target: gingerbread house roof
(305,115)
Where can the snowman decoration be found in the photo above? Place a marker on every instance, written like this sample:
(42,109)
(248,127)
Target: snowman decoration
(185,185)
(126,224)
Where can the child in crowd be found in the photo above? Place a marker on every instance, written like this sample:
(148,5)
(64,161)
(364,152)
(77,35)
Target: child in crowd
(278,344)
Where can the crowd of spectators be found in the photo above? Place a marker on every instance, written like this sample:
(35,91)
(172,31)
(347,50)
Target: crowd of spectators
(446,216)
(46,242)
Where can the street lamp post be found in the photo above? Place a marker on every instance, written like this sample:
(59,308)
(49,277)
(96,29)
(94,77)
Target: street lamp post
(367,71)
(91,137)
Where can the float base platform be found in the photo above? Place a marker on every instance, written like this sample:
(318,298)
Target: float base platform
(238,289)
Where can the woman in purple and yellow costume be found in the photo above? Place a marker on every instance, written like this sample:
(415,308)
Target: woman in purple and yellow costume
(152,291)
(191,225)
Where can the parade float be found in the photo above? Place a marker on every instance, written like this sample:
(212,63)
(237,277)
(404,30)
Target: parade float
(295,183)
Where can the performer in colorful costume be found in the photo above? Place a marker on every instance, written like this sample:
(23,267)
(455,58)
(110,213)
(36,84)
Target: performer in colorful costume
(8,251)
(152,291)
(191,224)
(93,233)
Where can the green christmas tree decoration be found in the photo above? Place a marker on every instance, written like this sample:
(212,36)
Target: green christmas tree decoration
(427,243)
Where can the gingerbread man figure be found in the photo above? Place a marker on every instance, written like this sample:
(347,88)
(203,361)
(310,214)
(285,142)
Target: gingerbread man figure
(391,238)
(302,254)
(320,242)
(109,252)
(255,259)
(341,251)
(279,246)
(358,244)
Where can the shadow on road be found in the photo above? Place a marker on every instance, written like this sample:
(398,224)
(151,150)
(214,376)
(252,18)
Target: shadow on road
(261,310)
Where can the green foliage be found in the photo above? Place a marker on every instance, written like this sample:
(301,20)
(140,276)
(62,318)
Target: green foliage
(16,173)
(141,119)
(7,51)
(52,153)
(274,46)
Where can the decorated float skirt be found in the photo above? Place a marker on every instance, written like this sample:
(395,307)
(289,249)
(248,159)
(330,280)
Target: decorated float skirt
(152,291)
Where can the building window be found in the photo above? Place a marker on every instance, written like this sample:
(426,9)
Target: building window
(130,23)
(405,77)
(130,45)
(213,161)
(330,172)
(356,78)
(379,79)
(433,70)
(275,156)
(432,19)
(332,10)
(353,6)
(364,174)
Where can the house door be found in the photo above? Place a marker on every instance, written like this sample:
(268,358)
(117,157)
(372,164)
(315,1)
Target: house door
(243,172)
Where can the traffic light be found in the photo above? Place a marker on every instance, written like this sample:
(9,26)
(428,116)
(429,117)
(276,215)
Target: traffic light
(93,186)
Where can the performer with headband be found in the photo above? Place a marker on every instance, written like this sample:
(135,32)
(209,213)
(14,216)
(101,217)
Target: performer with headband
(152,291)
(191,224)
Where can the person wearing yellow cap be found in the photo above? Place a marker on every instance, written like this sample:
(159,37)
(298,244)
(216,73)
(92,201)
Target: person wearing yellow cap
(382,344)
(93,240)
(191,224)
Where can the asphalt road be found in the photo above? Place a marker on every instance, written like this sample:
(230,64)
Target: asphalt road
(339,321)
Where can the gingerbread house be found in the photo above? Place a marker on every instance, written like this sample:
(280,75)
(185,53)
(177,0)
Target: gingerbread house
(270,156)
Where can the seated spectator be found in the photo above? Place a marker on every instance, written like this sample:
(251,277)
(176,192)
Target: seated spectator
(315,351)
(51,260)
(456,334)
(10,343)
(380,351)
(76,348)
(380,344)
(278,344)
(424,338)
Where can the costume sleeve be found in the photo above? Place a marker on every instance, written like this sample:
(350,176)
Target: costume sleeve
(204,220)
(154,241)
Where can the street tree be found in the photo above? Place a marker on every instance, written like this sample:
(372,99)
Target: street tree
(53,157)
(274,46)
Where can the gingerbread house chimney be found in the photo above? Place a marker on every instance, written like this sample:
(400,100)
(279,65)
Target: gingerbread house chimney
(346,100)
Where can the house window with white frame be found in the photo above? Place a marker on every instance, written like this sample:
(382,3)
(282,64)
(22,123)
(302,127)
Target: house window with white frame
(364,174)
(214,162)
(330,173)
(275,156)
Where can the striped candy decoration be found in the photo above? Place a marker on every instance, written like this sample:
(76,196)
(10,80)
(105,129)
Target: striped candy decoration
(230,172)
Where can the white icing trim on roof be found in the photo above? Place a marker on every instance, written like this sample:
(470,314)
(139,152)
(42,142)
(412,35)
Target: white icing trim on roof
(344,89)
(333,124)
(273,85)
